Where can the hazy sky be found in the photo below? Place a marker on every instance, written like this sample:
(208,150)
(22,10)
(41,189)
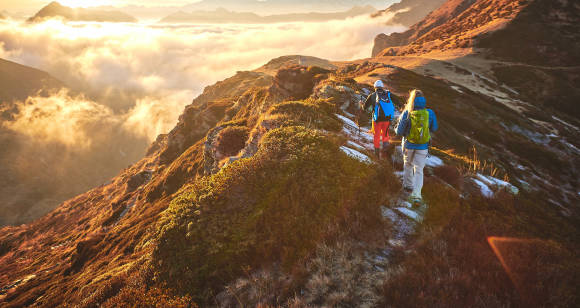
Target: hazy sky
(31,6)
(27,5)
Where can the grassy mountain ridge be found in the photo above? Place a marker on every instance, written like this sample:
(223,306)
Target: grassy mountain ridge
(264,194)
(164,228)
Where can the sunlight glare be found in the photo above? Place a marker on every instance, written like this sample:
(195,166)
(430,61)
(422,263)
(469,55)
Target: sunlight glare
(84,3)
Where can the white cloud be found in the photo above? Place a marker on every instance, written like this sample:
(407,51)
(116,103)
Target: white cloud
(133,69)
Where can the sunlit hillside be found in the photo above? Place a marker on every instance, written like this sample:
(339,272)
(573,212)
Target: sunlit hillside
(200,162)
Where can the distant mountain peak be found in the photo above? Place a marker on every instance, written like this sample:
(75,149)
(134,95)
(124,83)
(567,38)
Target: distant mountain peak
(55,9)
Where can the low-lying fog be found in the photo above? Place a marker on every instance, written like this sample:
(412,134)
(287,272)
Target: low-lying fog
(130,83)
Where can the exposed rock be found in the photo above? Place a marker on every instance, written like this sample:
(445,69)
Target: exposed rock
(296,82)
(138,180)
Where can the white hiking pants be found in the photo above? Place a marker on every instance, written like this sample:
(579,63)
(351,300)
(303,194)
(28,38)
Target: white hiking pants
(413,171)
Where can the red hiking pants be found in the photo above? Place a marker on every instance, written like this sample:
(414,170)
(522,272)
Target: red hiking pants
(381,131)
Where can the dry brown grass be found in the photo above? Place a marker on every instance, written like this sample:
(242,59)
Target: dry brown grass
(454,265)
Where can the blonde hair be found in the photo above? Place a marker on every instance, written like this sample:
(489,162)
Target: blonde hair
(411,102)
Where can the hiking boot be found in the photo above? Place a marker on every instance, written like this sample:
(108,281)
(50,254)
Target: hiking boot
(416,201)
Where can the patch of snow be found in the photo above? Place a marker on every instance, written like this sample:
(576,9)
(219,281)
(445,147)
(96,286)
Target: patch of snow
(534,136)
(399,174)
(356,154)
(434,161)
(510,89)
(397,243)
(485,191)
(510,103)
(346,120)
(546,125)
(565,123)
(484,78)
(409,213)
(491,181)
(388,213)
(366,91)
(356,145)
(575,149)
(456,88)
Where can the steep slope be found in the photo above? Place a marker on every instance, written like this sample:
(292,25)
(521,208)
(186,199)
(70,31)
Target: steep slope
(444,13)
(38,170)
(18,192)
(409,12)
(55,9)
(191,222)
(540,87)
(19,81)
(495,25)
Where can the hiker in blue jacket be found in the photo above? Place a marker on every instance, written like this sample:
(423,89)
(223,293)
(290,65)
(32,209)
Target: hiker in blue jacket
(416,124)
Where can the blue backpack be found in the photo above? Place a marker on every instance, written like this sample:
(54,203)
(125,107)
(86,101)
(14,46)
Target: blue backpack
(386,105)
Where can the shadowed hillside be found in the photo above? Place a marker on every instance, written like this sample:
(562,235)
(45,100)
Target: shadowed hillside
(19,81)
(38,171)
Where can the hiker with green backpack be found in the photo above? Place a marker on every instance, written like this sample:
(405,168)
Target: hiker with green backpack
(416,124)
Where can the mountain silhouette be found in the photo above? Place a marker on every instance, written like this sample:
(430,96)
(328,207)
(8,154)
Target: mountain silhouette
(55,9)
(224,16)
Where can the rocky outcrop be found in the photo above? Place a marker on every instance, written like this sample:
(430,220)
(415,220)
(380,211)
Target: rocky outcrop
(444,13)
(552,29)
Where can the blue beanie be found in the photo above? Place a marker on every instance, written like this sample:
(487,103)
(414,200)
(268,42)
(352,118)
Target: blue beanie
(420,102)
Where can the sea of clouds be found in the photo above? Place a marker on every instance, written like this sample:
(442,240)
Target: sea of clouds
(128,83)
(146,73)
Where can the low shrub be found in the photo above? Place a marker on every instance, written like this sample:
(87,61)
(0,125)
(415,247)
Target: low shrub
(232,139)
(314,114)
(450,174)
(530,261)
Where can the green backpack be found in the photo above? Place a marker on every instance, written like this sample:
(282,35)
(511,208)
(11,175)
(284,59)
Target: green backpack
(419,132)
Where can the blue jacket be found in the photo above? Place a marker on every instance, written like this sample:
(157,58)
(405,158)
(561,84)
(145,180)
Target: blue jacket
(405,125)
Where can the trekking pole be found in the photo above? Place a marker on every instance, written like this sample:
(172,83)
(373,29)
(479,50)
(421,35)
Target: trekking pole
(358,114)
